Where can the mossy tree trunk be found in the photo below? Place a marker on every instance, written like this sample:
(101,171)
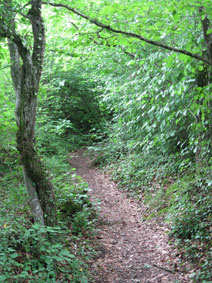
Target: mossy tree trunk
(26,69)
(204,80)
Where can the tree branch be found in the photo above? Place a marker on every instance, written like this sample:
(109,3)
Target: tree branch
(11,34)
(39,37)
(131,34)
(206,25)
(106,40)
(114,45)
(15,67)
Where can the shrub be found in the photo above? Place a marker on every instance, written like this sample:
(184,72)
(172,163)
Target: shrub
(27,254)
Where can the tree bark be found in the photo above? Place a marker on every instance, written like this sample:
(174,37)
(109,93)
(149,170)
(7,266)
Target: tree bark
(15,74)
(203,80)
(26,78)
(206,25)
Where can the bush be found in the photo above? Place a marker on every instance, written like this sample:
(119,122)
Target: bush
(71,104)
(191,221)
(27,254)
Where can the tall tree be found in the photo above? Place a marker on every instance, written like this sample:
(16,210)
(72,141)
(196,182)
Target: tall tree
(26,70)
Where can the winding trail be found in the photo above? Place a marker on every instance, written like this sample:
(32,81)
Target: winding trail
(131,250)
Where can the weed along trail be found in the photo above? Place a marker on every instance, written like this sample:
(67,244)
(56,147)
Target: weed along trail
(130,250)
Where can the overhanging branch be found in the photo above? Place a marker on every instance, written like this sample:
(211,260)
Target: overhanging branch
(130,34)
(106,40)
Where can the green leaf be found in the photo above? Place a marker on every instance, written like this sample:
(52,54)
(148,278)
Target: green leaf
(14,255)
(209,31)
(3,278)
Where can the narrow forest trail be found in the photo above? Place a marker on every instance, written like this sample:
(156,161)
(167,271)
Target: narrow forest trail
(132,250)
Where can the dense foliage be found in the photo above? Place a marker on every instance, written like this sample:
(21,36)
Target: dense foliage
(25,253)
(144,108)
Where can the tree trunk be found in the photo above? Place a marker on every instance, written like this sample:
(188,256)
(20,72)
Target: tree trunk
(15,74)
(26,78)
(203,80)
(201,160)
(206,26)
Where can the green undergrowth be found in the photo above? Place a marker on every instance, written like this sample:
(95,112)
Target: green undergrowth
(172,191)
(25,254)
(186,205)
(189,202)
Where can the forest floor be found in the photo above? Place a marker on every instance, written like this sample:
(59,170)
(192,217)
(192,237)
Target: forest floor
(130,249)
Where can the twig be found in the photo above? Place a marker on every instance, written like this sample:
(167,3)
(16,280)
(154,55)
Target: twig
(5,67)
(163,268)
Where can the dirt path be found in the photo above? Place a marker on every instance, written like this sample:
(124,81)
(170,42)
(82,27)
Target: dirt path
(132,250)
